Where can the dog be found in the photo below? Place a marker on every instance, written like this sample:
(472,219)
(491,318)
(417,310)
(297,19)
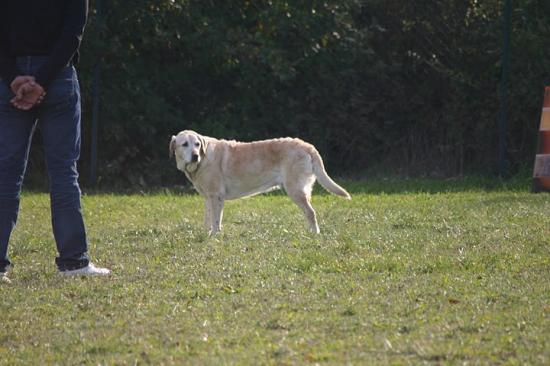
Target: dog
(223,170)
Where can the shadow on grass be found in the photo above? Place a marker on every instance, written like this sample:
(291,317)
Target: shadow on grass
(378,185)
(397,185)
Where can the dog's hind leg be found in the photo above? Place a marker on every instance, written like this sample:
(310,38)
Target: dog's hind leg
(301,195)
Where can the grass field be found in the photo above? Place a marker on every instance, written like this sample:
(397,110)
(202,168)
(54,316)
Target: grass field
(408,272)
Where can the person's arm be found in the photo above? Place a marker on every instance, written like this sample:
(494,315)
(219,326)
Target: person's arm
(8,70)
(75,16)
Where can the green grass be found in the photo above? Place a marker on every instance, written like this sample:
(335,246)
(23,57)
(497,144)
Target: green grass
(408,272)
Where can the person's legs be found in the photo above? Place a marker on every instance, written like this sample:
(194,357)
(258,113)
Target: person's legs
(16,129)
(59,121)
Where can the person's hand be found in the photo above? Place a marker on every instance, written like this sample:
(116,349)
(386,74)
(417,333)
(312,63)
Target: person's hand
(19,81)
(28,95)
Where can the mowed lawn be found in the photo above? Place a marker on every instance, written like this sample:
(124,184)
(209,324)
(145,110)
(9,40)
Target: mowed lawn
(407,273)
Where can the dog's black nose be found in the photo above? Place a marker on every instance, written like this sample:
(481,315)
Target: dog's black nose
(194,158)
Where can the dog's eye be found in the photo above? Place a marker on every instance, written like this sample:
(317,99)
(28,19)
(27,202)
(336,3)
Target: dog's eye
(197,144)
(185,144)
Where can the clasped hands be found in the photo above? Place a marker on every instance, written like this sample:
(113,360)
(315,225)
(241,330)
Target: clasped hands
(28,93)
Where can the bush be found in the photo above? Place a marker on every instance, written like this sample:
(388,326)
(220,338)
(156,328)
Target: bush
(377,86)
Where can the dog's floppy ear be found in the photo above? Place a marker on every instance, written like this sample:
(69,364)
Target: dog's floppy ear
(204,144)
(172,146)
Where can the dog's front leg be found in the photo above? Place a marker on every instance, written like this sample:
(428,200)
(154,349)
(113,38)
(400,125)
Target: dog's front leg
(208,215)
(217,202)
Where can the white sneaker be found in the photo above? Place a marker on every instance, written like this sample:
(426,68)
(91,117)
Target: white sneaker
(4,277)
(89,270)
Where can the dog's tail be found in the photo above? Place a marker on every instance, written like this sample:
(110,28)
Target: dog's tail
(323,178)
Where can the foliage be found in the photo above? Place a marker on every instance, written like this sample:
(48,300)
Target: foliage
(383,86)
(408,272)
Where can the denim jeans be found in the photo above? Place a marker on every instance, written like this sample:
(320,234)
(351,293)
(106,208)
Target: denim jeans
(58,120)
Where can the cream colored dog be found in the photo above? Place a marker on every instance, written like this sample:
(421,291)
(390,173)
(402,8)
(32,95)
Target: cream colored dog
(222,170)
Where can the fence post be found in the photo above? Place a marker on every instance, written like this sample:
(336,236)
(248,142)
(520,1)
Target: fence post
(504,101)
(95,108)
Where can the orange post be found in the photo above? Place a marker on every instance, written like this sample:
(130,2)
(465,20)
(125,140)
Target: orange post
(541,171)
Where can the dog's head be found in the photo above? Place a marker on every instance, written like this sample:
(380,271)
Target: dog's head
(189,149)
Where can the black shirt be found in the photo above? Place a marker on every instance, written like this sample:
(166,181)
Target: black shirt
(50,28)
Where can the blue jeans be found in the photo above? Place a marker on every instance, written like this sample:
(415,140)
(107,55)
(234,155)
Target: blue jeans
(58,120)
